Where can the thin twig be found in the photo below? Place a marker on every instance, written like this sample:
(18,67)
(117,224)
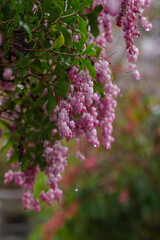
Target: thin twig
(69,15)
(46,51)
(38,50)
(4,22)
(34,75)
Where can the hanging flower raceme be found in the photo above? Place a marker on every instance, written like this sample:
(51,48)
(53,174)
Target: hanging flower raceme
(128,13)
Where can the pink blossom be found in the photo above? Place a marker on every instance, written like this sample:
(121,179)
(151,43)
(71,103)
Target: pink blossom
(1,39)
(54,131)
(7,73)
(10,153)
(81,156)
(124,196)
(56,162)
(44,92)
(146,24)
(8,177)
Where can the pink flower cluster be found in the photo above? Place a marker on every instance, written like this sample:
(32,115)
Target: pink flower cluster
(29,201)
(76,116)
(146,23)
(127,19)
(106,107)
(80,155)
(105,26)
(1,39)
(127,12)
(5,83)
(56,162)
(84,110)
(7,73)
(26,180)
(79,114)
(110,8)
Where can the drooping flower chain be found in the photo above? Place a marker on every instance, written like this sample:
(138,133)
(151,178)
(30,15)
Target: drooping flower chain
(128,12)
(92,109)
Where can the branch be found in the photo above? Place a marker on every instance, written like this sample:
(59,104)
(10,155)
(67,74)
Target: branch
(38,50)
(5,22)
(47,52)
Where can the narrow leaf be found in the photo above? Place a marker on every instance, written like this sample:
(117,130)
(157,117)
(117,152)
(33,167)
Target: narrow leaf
(82,24)
(59,41)
(92,17)
(90,50)
(88,65)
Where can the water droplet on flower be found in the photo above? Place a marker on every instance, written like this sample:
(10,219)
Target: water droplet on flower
(95,145)
(76,189)
(147,29)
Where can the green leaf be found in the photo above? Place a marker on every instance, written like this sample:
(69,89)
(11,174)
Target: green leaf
(27,28)
(81,68)
(54,14)
(69,19)
(58,67)
(40,184)
(82,40)
(98,50)
(76,63)
(88,65)
(82,24)
(33,18)
(40,35)
(76,4)
(7,144)
(80,45)
(53,28)
(59,3)
(85,3)
(22,72)
(90,50)
(59,41)
(13,159)
(51,101)
(98,87)
(46,5)
(46,44)
(23,61)
(62,86)
(92,17)
(22,64)
(29,7)
(67,36)
(24,163)
(4,124)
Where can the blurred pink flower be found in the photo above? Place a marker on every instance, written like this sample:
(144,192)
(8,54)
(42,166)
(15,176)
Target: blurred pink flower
(124,196)
(7,73)
(90,163)
(1,39)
